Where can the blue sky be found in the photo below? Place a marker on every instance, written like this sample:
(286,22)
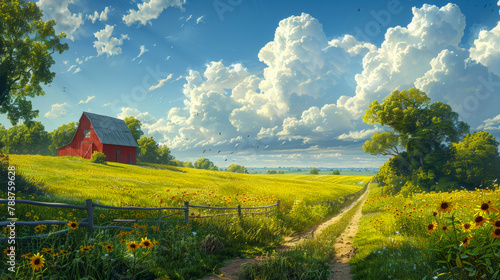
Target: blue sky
(269,83)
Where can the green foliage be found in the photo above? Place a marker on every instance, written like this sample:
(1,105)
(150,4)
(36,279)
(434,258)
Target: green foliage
(476,160)
(336,172)
(135,127)
(314,171)
(150,151)
(98,157)
(26,139)
(204,163)
(62,136)
(236,168)
(26,47)
(421,140)
(272,171)
(188,164)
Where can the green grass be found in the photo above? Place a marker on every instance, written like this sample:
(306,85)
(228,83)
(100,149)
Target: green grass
(178,254)
(79,179)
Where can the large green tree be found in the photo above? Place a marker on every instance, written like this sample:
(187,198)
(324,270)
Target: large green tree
(62,136)
(236,168)
(26,47)
(205,163)
(420,140)
(476,162)
(135,127)
(148,150)
(24,139)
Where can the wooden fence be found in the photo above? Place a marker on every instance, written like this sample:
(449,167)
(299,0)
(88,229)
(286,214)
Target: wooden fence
(88,222)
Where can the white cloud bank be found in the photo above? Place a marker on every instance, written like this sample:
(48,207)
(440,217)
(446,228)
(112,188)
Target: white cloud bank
(103,16)
(314,91)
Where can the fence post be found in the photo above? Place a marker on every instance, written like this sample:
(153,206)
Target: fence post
(186,212)
(278,204)
(239,211)
(90,214)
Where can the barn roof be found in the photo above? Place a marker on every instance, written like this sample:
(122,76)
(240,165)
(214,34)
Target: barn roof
(111,130)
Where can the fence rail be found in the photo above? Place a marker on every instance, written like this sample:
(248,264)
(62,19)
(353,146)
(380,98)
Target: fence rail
(89,221)
(89,206)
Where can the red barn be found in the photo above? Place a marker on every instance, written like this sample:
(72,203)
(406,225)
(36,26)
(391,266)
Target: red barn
(103,134)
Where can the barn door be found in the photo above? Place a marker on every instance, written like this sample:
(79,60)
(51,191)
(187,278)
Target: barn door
(86,149)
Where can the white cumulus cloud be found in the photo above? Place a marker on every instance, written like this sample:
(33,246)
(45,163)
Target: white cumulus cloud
(200,20)
(359,135)
(57,111)
(106,44)
(486,49)
(149,10)
(103,16)
(491,124)
(67,21)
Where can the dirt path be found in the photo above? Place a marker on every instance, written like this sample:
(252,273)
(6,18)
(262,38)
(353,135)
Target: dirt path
(343,247)
(232,268)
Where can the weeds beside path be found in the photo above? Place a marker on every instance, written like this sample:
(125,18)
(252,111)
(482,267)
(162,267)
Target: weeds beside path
(231,270)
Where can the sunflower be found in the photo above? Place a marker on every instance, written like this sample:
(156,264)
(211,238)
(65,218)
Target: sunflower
(28,214)
(479,220)
(496,223)
(108,248)
(60,213)
(55,255)
(496,233)
(102,216)
(7,251)
(146,243)
(444,228)
(35,218)
(486,208)
(122,241)
(466,241)
(40,228)
(444,207)
(431,227)
(132,246)
(466,227)
(37,261)
(72,225)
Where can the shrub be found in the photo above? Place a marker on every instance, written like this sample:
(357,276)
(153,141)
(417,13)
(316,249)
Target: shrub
(98,157)
(335,172)
(314,171)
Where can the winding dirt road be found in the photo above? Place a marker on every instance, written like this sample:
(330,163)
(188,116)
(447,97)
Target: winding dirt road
(343,249)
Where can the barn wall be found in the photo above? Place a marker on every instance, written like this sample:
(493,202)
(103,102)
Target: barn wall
(126,153)
(81,146)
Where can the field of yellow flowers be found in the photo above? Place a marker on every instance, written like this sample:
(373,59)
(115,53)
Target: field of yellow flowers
(451,235)
(150,249)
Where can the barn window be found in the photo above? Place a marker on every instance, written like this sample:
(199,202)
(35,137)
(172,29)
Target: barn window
(118,152)
(86,133)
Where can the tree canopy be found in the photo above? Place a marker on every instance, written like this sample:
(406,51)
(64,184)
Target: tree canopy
(134,125)
(236,168)
(420,141)
(26,47)
(204,163)
(314,171)
(62,136)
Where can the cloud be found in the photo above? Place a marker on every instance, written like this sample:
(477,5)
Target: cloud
(405,54)
(67,22)
(160,83)
(145,118)
(190,16)
(107,104)
(57,111)
(359,135)
(71,68)
(491,124)
(86,101)
(200,20)
(65,62)
(106,44)
(77,70)
(103,16)
(486,49)
(150,10)
(143,51)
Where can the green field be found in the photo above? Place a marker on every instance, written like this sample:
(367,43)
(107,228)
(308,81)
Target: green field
(116,184)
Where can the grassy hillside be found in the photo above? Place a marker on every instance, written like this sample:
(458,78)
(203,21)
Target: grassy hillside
(116,184)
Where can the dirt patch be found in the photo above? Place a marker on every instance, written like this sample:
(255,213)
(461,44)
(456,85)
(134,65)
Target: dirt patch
(344,250)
